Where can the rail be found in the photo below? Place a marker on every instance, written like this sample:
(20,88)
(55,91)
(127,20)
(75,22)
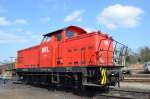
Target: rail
(124,94)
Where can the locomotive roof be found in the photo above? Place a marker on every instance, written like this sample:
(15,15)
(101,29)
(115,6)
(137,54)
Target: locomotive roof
(66,28)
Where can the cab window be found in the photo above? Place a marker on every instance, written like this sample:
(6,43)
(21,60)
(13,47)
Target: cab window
(58,36)
(46,38)
(69,34)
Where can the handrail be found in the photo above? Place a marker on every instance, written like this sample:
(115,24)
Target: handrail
(121,54)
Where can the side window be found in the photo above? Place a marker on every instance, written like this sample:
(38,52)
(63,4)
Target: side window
(69,34)
(58,36)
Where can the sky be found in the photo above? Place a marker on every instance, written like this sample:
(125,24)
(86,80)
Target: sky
(23,22)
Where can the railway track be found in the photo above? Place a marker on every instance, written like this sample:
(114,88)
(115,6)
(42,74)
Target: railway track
(131,79)
(124,94)
(137,78)
(138,75)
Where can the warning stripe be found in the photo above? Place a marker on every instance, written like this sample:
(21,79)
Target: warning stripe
(103,80)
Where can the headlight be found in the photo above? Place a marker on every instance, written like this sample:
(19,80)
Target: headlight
(112,74)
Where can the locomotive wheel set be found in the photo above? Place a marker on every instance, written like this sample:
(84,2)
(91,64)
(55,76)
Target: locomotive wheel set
(72,57)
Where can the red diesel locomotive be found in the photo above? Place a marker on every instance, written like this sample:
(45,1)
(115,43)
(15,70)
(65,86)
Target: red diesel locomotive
(72,57)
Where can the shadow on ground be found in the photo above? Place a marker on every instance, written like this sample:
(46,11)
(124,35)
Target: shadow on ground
(86,92)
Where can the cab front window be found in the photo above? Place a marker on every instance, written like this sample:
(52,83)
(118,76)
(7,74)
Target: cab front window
(46,38)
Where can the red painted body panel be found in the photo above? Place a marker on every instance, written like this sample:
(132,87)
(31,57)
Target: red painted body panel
(78,50)
(28,58)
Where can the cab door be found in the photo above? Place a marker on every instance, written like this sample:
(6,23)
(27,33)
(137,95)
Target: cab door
(58,49)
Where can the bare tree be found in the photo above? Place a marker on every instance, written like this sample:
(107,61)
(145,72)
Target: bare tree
(144,54)
(132,57)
